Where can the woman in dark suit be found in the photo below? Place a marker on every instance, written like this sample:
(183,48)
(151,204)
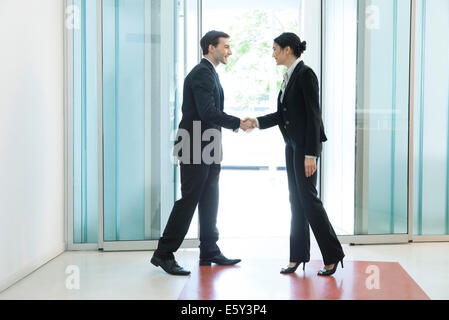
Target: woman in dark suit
(299,119)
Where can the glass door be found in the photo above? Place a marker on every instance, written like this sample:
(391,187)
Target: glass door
(366,114)
(251,82)
(139,89)
(431,122)
(361,51)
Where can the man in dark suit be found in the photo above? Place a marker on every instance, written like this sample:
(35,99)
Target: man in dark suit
(202,119)
(299,118)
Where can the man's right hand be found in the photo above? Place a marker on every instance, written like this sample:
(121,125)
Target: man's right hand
(248,124)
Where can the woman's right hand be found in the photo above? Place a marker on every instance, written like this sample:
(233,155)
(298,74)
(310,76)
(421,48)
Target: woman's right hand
(248,124)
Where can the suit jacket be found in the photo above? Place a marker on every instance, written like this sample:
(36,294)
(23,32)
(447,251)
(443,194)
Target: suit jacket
(203,101)
(298,115)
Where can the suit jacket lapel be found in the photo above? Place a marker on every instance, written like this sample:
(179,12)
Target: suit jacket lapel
(219,85)
(279,98)
(294,75)
(217,80)
(208,64)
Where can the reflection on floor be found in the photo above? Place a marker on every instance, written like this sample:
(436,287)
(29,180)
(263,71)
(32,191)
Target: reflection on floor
(258,280)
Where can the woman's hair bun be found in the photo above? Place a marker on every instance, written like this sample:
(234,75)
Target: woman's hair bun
(289,39)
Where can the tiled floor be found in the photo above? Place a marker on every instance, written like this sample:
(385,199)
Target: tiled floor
(129,275)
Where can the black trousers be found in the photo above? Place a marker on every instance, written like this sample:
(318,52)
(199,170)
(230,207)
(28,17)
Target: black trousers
(307,209)
(199,187)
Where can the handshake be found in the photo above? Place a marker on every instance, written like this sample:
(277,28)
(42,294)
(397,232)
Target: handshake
(248,124)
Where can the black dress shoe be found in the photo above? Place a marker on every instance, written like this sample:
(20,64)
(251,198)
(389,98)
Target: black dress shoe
(219,259)
(170,266)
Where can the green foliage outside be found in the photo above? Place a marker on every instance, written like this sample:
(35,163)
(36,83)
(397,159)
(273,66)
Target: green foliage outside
(252,66)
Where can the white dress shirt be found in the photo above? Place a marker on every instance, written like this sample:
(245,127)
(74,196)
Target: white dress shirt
(287,76)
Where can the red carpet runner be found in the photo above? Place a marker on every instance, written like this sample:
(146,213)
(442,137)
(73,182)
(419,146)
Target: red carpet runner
(261,280)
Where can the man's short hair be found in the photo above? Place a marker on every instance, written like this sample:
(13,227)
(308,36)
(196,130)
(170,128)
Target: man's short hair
(212,38)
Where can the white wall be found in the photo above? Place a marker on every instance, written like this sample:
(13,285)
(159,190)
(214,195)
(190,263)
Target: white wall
(31,136)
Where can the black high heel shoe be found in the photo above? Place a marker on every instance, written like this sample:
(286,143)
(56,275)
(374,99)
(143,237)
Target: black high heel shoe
(293,269)
(325,273)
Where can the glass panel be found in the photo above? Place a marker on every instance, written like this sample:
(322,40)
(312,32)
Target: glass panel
(366,105)
(85,146)
(139,82)
(431,171)
(339,85)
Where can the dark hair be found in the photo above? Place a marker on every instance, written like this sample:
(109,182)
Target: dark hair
(212,38)
(288,39)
